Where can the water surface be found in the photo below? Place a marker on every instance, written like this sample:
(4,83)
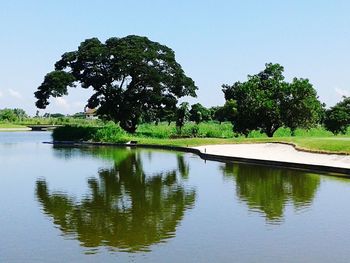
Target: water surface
(62,204)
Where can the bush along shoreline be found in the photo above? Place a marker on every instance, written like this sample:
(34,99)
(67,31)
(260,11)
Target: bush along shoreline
(314,139)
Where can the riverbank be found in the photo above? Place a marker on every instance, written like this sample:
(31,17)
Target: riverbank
(315,140)
(266,154)
(277,152)
(15,129)
(327,145)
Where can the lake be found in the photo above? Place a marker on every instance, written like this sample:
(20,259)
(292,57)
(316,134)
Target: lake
(105,204)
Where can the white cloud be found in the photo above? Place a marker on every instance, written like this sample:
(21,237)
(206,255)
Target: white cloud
(62,103)
(342,92)
(79,105)
(1,94)
(15,94)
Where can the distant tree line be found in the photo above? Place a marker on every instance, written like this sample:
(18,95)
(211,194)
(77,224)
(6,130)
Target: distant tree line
(12,115)
(137,80)
(19,115)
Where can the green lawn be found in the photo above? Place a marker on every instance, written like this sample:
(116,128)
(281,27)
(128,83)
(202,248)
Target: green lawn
(336,144)
(10,125)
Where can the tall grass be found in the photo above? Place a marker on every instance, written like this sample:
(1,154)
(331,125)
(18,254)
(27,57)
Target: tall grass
(59,121)
(208,130)
(111,132)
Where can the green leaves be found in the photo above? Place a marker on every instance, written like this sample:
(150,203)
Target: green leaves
(199,113)
(337,118)
(182,115)
(300,106)
(55,84)
(266,102)
(129,75)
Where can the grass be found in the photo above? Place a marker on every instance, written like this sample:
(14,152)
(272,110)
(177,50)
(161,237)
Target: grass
(10,125)
(340,145)
(316,139)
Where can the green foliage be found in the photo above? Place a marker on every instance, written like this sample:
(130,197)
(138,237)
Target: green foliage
(59,121)
(207,130)
(8,115)
(205,133)
(300,105)
(266,102)
(113,133)
(57,115)
(74,133)
(337,119)
(110,133)
(182,115)
(199,113)
(12,115)
(55,84)
(161,131)
(130,76)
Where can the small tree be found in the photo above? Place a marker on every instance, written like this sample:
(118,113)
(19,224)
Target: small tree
(212,111)
(337,118)
(8,115)
(199,113)
(20,113)
(182,115)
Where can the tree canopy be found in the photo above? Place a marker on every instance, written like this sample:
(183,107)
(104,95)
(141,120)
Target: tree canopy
(337,118)
(11,115)
(199,113)
(128,75)
(267,102)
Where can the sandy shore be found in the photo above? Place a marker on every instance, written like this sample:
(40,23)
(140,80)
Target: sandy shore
(15,129)
(276,152)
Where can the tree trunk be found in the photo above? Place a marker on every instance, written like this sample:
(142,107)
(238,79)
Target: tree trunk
(292,132)
(269,134)
(129,125)
(271,130)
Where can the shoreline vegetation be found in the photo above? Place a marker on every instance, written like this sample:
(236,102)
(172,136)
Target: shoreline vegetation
(317,139)
(313,140)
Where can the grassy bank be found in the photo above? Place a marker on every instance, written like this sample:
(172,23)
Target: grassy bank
(20,123)
(317,139)
(10,126)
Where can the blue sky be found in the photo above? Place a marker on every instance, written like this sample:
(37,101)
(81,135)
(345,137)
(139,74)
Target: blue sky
(216,42)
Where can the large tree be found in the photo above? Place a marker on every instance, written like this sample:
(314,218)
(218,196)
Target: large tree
(129,76)
(267,102)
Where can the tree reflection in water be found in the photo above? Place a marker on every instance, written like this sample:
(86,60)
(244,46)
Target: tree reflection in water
(269,189)
(126,209)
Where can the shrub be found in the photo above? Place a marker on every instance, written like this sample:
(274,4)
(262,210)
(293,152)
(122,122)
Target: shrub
(74,133)
(110,133)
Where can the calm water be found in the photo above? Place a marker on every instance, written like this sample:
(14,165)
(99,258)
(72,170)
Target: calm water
(121,205)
